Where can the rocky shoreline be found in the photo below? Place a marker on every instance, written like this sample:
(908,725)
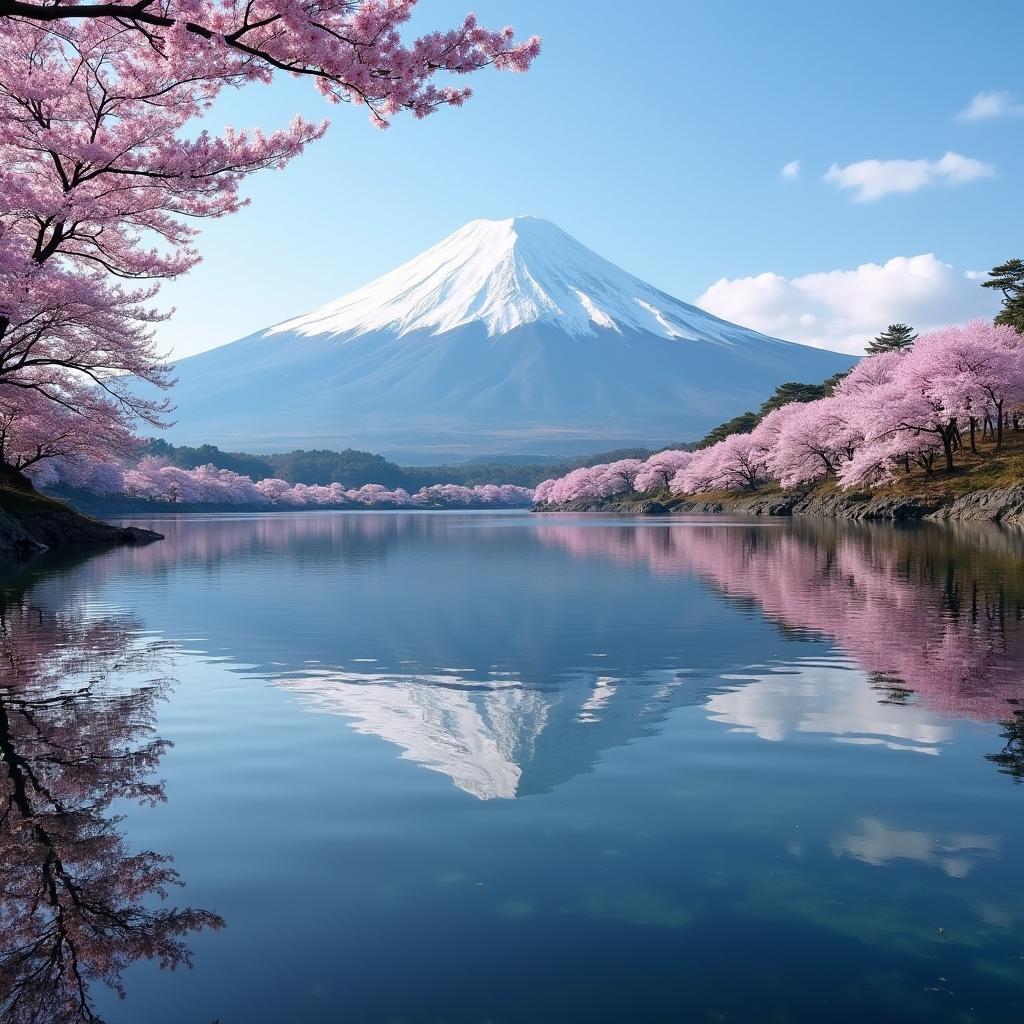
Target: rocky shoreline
(31,523)
(997,505)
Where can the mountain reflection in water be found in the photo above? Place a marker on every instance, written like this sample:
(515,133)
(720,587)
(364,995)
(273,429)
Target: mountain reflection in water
(514,693)
(659,755)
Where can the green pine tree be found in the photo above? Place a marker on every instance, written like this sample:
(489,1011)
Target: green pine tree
(894,338)
(791,391)
(829,384)
(1008,277)
(742,424)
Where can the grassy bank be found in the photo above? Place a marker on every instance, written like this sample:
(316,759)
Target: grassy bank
(989,469)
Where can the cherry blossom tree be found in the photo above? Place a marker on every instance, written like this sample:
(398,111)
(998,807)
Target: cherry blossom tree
(609,479)
(585,484)
(872,396)
(154,479)
(813,442)
(870,373)
(85,475)
(657,472)
(889,447)
(84,430)
(892,411)
(351,49)
(499,495)
(955,376)
(100,183)
(77,904)
(766,433)
(735,463)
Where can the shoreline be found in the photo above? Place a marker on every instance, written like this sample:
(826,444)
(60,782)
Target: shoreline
(1003,505)
(31,523)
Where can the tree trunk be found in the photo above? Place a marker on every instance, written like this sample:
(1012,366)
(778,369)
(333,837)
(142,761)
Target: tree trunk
(12,479)
(948,434)
(999,425)
(974,424)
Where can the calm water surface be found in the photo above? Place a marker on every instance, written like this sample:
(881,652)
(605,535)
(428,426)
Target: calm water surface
(476,767)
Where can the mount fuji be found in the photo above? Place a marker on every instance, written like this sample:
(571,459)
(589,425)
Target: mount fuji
(508,336)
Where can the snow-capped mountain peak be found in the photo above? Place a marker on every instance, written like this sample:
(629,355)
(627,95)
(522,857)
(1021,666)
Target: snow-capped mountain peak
(506,274)
(508,336)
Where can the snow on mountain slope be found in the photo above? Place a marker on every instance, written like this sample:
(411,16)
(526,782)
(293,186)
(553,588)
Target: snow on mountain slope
(508,336)
(506,274)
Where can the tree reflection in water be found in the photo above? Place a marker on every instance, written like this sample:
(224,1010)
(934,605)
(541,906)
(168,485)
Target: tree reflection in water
(78,697)
(1010,760)
(934,616)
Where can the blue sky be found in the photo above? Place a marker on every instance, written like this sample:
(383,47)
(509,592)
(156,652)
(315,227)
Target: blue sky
(657,135)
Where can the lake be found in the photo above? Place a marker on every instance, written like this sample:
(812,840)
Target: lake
(426,767)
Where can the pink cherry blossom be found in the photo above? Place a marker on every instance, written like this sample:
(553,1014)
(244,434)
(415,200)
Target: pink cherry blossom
(154,479)
(101,180)
(737,462)
(892,412)
(658,471)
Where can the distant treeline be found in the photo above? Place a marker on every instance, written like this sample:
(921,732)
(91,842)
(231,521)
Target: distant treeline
(353,468)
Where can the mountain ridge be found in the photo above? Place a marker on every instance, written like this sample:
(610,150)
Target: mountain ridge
(507,274)
(506,336)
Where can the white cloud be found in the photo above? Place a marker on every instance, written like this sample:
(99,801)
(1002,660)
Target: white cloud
(878,844)
(825,700)
(873,179)
(845,309)
(791,170)
(987,106)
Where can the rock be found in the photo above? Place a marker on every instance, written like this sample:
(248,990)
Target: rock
(15,540)
(744,505)
(701,508)
(839,505)
(999,505)
(31,522)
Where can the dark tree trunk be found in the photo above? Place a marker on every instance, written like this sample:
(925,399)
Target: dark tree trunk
(12,479)
(948,434)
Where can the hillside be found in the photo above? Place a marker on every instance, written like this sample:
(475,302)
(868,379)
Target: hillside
(354,468)
(507,337)
(984,487)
